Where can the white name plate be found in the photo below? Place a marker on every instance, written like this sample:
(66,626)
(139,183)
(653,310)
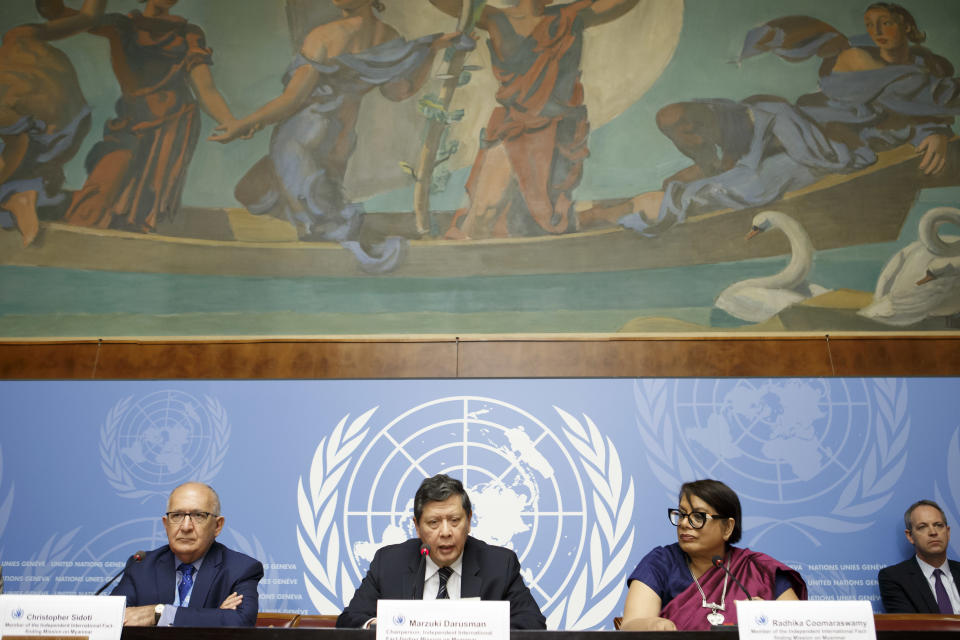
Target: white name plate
(443,620)
(805,620)
(94,617)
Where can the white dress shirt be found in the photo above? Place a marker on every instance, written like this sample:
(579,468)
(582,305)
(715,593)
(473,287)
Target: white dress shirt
(946,578)
(431,582)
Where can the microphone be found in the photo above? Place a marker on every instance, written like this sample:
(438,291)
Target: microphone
(137,557)
(718,562)
(421,570)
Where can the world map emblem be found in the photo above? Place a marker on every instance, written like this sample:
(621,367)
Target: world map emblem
(552,489)
(152,444)
(781,442)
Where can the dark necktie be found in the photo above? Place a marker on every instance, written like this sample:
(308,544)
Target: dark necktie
(186,581)
(444,574)
(943,600)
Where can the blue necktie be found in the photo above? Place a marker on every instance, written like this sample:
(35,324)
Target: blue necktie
(444,576)
(943,600)
(186,582)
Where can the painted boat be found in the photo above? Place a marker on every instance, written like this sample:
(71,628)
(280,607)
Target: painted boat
(838,211)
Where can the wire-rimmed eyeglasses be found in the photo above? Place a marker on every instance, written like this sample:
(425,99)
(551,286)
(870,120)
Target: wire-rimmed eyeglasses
(197,517)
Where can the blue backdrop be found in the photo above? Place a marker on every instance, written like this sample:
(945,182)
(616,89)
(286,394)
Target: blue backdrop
(575,475)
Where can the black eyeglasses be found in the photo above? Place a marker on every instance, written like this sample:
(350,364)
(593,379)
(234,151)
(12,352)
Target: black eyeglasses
(198,517)
(696,518)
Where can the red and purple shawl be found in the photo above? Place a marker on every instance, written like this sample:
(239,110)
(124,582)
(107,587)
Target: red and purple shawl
(665,571)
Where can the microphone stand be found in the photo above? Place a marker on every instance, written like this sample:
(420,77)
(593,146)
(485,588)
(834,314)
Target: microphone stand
(137,557)
(421,570)
(718,562)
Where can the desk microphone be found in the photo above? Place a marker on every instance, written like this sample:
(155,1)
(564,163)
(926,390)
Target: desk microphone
(421,569)
(137,557)
(718,562)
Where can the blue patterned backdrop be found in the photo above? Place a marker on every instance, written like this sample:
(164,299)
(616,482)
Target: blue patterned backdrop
(575,475)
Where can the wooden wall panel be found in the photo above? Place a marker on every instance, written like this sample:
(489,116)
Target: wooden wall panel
(917,356)
(298,359)
(645,358)
(485,357)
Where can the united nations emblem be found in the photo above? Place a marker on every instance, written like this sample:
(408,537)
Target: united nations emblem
(947,493)
(796,442)
(150,445)
(555,494)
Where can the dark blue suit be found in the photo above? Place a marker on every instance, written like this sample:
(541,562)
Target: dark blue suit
(153,580)
(904,589)
(489,572)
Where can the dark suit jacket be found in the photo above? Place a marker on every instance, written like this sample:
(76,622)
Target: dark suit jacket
(492,573)
(903,588)
(153,580)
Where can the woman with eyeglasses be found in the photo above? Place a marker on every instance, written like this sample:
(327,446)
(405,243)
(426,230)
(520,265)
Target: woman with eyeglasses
(682,586)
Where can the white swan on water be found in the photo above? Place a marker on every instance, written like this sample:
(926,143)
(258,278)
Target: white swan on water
(759,299)
(923,279)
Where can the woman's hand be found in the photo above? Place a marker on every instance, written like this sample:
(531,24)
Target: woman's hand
(648,624)
(934,150)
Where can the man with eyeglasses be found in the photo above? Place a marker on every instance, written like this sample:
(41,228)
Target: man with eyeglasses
(927,582)
(193,581)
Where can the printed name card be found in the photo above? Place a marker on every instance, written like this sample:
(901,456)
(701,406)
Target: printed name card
(443,620)
(93,617)
(810,620)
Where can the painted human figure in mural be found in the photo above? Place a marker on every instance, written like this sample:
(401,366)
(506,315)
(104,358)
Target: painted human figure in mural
(876,93)
(43,117)
(533,147)
(138,171)
(301,180)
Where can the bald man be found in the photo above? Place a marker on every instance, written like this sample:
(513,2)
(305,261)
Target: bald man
(193,581)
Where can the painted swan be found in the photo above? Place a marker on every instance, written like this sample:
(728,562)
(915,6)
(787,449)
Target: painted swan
(922,280)
(759,299)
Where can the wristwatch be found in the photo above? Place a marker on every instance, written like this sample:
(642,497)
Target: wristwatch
(157,612)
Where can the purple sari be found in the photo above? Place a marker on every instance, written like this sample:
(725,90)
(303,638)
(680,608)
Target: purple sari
(665,571)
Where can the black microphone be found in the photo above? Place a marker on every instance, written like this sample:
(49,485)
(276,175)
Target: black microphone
(137,557)
(718,562)
(421,569)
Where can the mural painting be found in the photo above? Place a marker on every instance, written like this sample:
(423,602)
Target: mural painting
(461,166)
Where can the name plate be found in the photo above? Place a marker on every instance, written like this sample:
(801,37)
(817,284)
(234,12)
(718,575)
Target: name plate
(810,620)
(443,620)
(93,617)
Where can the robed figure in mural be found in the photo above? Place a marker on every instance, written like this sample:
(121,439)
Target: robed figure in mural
(43,117)
(138,171)
(301,180)
(533,147)
(876,93)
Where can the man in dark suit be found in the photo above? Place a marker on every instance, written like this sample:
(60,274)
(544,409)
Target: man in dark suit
(927,582)
(193,581)
(456,565)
